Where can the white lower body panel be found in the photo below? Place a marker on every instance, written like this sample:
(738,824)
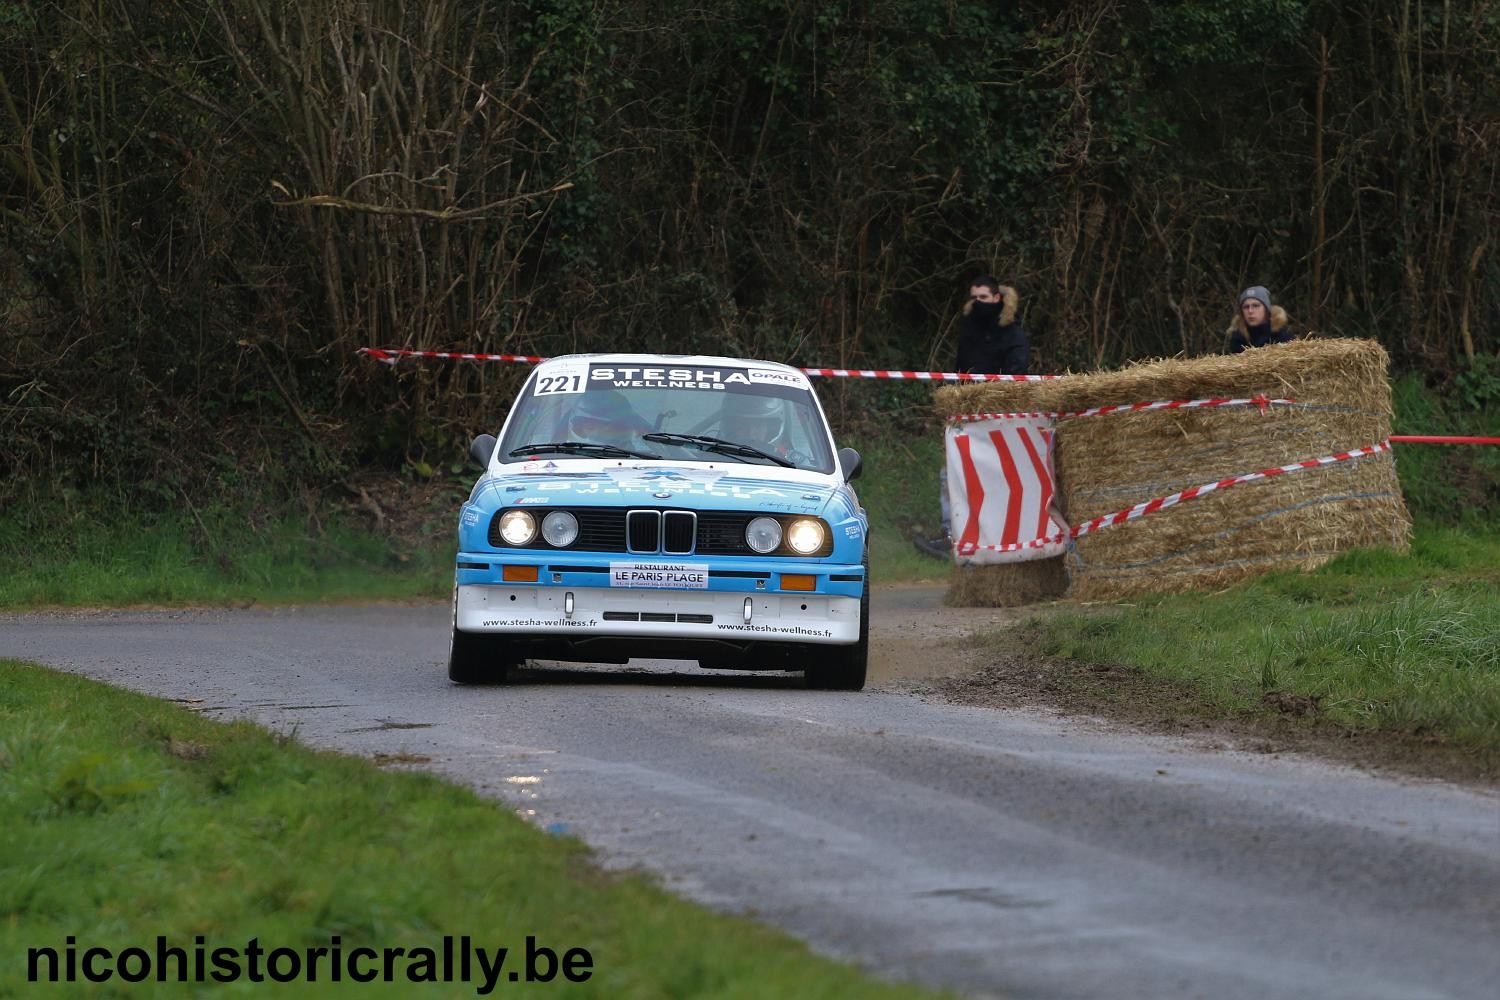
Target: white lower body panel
(692,614)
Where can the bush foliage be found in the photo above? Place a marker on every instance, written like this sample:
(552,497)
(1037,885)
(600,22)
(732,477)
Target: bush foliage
(209,207)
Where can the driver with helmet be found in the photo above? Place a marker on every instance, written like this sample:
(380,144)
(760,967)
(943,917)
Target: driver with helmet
(604,418)
(760,422)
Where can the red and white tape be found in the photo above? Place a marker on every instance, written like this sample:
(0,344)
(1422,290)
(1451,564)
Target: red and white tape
(1443,439)
(924,376)
(1169,404)
(391,355)
(1162,503)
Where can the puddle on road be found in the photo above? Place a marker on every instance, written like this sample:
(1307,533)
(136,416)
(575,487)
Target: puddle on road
(386,724)
(989,896)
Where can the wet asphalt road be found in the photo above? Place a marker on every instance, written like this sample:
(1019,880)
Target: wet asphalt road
(997,852)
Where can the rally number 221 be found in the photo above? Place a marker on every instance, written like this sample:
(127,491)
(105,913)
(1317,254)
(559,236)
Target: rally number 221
(559,383)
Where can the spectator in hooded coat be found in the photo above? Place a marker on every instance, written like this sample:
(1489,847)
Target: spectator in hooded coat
(990,341)
(1259,322)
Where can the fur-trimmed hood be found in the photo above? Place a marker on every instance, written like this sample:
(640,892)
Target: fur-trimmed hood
(1278,323)
(1009,300)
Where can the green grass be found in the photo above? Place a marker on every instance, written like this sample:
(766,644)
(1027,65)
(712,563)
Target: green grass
(1448,484)
(123,818)
(129,557)
(899,488)
(1383,641)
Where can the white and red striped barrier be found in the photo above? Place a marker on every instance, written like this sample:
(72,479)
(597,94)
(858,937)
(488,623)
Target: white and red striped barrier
(391,355)
(1002,489)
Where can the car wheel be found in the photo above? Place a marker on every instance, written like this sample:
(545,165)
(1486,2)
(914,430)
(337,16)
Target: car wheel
(843,668)
(476,659)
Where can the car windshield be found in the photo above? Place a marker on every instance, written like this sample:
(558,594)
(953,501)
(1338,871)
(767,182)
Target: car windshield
(685,413)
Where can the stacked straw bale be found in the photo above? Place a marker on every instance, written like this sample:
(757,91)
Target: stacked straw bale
(1007,585)
(1108,463)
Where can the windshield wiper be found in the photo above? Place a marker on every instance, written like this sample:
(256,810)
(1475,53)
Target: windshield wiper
(719,445)
(575,447)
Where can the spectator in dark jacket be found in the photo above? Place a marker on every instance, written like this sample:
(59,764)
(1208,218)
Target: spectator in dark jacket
(990,341)
(1259,323)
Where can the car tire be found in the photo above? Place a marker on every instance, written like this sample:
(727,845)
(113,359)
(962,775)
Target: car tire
(477,659)
(843,668)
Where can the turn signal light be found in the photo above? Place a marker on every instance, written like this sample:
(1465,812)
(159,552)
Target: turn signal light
(518,574)
(798,581)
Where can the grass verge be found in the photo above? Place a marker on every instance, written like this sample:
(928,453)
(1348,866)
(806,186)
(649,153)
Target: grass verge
(899,488)
(123,818)
(1373,642)
(119,556)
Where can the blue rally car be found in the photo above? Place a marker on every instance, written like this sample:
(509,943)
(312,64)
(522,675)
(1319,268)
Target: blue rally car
(659,506)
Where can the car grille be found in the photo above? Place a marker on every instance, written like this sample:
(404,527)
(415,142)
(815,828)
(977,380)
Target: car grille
(679,531)
(657,616)
(650,531)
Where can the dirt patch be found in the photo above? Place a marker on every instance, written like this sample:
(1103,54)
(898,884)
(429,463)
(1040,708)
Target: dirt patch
(913,636)
(960,668)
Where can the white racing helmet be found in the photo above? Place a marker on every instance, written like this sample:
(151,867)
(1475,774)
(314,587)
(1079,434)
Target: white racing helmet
(752,419)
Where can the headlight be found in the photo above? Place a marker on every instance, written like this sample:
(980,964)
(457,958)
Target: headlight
(560,529)
(763,534)
(517,527)
(805,536)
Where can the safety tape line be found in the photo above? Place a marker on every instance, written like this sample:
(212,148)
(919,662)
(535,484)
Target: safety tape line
(1171,404)
(391,355)
(1442,439)
(1162,503)
(924,376)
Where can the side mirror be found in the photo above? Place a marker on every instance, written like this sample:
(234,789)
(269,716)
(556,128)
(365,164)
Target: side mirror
(482,449)
(850,463)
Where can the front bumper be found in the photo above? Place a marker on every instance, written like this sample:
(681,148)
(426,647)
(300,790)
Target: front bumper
(628,613)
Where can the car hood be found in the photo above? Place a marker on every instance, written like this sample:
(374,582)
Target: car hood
(697,486)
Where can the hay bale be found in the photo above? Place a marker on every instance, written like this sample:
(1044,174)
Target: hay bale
(1108,463)
(1007,585)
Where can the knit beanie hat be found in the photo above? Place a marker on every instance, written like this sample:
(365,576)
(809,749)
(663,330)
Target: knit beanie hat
(1259,294)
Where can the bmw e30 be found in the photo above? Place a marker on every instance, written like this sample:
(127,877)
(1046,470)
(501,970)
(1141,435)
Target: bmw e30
(656,506)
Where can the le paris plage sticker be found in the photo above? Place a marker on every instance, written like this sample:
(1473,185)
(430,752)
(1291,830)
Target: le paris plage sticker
(663,575)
